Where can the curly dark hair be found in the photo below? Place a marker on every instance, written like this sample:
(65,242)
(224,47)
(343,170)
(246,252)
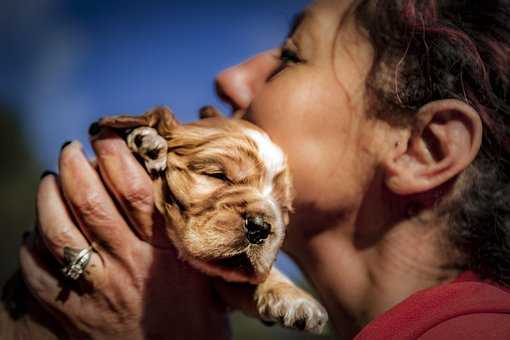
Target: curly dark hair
(428,50)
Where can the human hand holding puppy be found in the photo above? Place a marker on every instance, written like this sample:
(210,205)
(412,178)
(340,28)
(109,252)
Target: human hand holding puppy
(216,227)
(226,193)
(130,288)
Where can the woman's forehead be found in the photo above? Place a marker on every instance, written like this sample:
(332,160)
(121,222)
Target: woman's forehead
(332,8)
(322,16)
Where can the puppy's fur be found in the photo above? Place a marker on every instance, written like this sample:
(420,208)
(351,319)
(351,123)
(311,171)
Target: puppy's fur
(225,191)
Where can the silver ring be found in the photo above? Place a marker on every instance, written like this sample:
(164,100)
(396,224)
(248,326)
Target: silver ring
(76,261)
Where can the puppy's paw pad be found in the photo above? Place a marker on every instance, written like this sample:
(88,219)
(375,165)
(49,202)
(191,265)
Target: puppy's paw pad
(153,148)
(292,308)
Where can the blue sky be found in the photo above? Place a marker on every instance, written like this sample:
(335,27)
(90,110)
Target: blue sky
(65,63)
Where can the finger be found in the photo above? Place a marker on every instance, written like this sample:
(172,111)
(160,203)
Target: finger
(136,195)
(93,208)
(56,227)
(44,281)
(40,278)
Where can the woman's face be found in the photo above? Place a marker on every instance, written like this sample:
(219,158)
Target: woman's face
(312,105)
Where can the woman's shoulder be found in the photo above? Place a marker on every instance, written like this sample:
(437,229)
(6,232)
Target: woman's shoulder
(466,305)
(475,326)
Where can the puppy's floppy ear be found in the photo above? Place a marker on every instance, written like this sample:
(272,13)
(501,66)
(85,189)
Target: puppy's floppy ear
(283,192)
(444,140)
(161,118)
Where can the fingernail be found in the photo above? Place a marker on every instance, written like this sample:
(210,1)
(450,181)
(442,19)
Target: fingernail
(94,129)
(46,173)
(65,144)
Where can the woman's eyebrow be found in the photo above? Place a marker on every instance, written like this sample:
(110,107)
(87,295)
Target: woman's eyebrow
(296,21)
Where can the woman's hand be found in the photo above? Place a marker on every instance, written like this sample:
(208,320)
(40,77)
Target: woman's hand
(130,288)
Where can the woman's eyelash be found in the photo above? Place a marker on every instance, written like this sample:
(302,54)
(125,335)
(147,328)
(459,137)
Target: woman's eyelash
(287,57)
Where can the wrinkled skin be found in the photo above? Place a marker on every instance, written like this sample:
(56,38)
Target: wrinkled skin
(131,289)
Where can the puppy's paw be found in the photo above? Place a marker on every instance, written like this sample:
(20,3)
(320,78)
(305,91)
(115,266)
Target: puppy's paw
(291,307)
(153,148)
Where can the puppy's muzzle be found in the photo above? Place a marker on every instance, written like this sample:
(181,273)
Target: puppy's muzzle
(257,230)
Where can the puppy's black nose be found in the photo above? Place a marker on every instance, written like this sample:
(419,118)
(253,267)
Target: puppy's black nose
(257,230)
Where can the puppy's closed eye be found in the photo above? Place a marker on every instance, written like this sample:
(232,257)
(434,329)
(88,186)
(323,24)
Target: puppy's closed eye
(209,169)
(217,175)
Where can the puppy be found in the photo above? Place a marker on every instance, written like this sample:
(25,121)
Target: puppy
(225,191)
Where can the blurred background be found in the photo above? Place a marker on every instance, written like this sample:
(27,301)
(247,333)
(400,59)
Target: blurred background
(63,64)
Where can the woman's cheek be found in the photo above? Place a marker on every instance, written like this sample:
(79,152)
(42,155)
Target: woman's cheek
(304,113)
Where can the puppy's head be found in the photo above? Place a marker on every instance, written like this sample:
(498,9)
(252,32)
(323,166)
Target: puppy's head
(227,198)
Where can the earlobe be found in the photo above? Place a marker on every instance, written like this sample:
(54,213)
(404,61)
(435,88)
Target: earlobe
(443,141)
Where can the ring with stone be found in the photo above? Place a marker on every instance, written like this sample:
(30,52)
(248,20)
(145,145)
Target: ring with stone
(76,261)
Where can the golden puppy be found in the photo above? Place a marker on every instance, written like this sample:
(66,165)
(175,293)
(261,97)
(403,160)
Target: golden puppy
(225,191)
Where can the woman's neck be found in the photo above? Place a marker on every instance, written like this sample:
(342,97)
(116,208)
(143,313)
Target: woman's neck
(360,278)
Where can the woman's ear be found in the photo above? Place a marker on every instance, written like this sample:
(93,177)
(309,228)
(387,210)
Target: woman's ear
(443,141)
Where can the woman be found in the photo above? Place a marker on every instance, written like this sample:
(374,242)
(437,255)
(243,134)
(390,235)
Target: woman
(394,116)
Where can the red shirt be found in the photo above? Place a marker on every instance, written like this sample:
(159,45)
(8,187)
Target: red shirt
(466,308)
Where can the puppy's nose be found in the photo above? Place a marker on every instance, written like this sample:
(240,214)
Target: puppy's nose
(257,230)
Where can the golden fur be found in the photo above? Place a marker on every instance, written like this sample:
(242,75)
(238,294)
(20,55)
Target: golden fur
(211,177)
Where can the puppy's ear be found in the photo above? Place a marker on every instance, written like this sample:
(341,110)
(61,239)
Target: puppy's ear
(283,191)
(161,118)
(444,140)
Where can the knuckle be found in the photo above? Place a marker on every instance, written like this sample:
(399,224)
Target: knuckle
(90,203)
(109,145)
(58,236)
(138,196)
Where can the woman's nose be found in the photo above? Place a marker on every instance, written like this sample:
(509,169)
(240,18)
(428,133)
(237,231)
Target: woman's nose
(239,84)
